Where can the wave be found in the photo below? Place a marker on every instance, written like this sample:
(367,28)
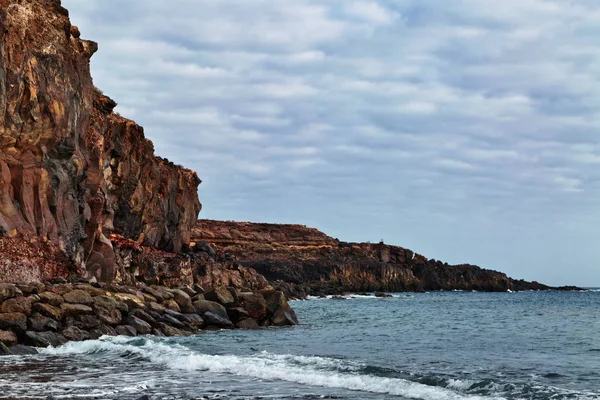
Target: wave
(357,296)
(313,371)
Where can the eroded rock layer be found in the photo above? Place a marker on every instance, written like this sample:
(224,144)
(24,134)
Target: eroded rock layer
(304,261)
(71,171)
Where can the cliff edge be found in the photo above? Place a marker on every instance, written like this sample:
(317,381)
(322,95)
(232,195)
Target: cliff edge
(72,172)
(304,261)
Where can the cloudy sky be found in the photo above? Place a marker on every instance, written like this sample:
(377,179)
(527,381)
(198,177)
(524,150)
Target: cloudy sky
(466,130)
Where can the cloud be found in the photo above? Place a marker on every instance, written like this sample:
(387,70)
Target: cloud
(463,131)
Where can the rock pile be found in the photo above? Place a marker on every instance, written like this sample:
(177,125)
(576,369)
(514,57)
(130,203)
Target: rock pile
(43,315)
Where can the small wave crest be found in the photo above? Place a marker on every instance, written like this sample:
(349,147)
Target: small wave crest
(313,371)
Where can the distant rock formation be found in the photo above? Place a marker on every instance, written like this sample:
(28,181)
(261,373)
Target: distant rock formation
(303,261)
(72,172)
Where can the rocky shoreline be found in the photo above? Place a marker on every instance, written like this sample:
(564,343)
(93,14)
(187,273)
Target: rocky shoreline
(51,314)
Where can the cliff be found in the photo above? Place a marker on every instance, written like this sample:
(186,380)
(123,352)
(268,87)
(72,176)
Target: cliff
(72,171)
(304,261)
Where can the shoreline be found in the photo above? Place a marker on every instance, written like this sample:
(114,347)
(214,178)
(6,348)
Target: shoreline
(52,314)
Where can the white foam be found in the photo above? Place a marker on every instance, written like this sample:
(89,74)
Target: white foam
(314,371)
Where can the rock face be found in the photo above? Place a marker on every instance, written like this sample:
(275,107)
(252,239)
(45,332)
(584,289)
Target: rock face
(72,172)
(303,261)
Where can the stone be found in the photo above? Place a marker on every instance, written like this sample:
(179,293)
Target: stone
(157,308)
(21,350)
(9,338)
(102,330)
(27,289)
(111,302)
(247,323)
(18,304)
(48,311)
(221,295)
(142,327)
(190,292)
(198,297)
(154,293)
(60,289)
(171,305)
(34,298)
(162,292)
(171,321)
(39,323)
(171,331)
(14,321)
(126,330)
(255,305)
(279,309)
(148,298)
(107,314)
(51,298)
(91,290)
(157,332)
(198,289)
(183,300)
(143,315)
(213,319)
(75,334)
(203,306)
(8,291)
(131,300)
(86,322)
(44,339)
(382,295)
(237,314)
(193,320)
(73,310)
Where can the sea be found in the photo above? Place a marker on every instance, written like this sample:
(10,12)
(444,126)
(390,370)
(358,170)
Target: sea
(436,346)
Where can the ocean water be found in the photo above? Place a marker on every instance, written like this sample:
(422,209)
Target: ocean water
(438,346)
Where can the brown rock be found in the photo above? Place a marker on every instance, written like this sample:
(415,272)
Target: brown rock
(131,300)
(162,292)
(27,289)
(237,314)
(60,289)
(107,314)
(141,327)
(75,334)
(126,330)
(8,291)
(143,315)
(91,290)
(183,300)
(171,331)
(111,302)
(255,305)
(247,323)
(158,298)
(102,330)
(212,319)
(8,338)
(48,311)
(221,295)
(39,323)
(171,305)
(203,306)
(16,305)
(51,298)
(14,321)
(78,297)
(279,309)
(44,339)
(72,310)
(157,308)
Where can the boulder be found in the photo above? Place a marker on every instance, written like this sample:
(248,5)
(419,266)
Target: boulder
(148,298)
(198,289)
(34,298)
(171,305)
(44,339)
(237,314)
(172,321)
(48,311)
(51,298)
(203,306)
(75,334)
(20,350)
(213,319)
(8,291)
(154,293)
(141,327)
(157,308)
(382,295)
(91,290)
(60,289)
(193,320)
(183,300)
(111,302)
(190,292)
(126,330)
(18,304)
(163,292)
(27,289)
(72,310)
(85,322)
(254,304)
(102,330)
(106,313)
(14,321)
(221,295)
(39,323)
(158,333)
(278,308)
(247,323)
(9,338)
(143,315)
(131,300)
(171,331)
(78,297)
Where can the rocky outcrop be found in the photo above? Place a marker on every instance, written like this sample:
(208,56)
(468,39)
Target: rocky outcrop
(303,261)
(42,315)
(72,172)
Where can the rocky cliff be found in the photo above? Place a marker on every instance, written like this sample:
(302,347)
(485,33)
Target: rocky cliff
(72,172)
(304,261)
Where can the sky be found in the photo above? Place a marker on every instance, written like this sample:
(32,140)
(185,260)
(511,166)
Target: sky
(464,130)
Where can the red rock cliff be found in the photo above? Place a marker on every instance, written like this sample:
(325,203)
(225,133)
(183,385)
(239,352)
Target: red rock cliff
(72,171)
